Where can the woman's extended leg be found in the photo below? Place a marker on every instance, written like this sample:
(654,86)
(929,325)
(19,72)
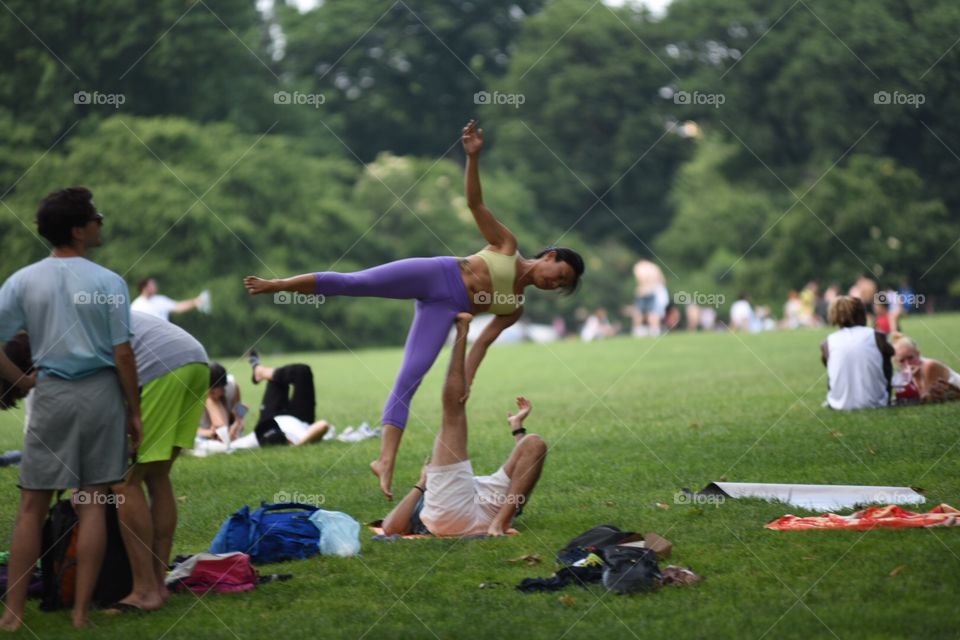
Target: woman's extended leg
(429,331)
(412,278)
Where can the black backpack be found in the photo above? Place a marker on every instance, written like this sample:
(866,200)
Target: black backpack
(592,541)
(624,569)
(630,569)
(58,560)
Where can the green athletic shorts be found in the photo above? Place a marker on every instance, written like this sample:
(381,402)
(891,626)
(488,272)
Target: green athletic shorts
(171,407)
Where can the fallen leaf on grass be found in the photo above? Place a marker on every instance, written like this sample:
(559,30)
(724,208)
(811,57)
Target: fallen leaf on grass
(567,601)
(610,503)
(809,557)
(694,425)
(871,450)
(897,570)
(836,434)
(663,505)
(530,559)
(489,585)
(181,498)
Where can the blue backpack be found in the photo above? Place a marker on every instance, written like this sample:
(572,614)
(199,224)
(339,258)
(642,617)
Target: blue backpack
(273,533)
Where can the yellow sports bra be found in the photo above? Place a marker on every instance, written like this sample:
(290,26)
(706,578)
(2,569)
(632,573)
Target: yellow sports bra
(503,269)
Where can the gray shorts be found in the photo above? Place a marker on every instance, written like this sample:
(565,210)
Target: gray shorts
(646,303)
(76,434)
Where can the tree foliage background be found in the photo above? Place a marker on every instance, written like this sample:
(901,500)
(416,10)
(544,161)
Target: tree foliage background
(744,144)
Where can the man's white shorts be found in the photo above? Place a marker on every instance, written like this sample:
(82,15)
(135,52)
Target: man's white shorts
(457,503)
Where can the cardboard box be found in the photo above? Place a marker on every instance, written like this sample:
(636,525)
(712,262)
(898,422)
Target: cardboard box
(660,545)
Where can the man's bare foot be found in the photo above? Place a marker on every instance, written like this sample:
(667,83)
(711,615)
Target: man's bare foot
(9,622)
(80,620)
(383,469)
(148,602)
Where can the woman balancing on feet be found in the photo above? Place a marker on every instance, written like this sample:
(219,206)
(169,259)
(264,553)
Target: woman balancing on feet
(492,280)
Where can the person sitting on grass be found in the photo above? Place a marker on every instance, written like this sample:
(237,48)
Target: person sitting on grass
(857,359)
(222,408)
(450,499)
(922,379)
(284,418)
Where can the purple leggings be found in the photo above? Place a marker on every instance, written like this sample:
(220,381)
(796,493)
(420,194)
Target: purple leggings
(437,286)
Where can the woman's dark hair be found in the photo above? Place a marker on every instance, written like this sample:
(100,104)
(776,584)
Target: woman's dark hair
(572,258)
(218,375)
(18,350)
(60,211)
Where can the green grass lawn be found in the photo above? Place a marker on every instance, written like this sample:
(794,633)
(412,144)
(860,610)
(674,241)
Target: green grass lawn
(629,422)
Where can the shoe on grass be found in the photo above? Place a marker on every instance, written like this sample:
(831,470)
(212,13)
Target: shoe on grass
(253,357)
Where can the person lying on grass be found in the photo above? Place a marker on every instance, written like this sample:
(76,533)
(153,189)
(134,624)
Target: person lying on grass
(921,379)
(451,500)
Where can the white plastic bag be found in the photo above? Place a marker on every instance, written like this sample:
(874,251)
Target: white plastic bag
(339,533)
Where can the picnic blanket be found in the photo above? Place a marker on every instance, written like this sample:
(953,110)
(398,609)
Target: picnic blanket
(890,516)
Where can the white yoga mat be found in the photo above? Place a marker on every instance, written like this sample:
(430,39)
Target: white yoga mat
(817,497)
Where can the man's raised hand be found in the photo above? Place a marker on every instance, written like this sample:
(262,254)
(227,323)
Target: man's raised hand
(472,138)
(524,407)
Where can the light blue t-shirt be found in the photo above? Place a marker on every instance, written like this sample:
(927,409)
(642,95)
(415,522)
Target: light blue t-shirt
(74,310)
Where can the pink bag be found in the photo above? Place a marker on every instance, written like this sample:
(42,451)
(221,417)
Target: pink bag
(221,572)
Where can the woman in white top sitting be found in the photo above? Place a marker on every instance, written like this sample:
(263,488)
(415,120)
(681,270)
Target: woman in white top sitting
(923,379)
(857,359)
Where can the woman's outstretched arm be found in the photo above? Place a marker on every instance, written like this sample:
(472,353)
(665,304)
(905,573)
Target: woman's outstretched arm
(492,229)
(487,337)
(307,283)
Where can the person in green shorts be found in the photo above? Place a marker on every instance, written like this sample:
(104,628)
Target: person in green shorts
(174,374)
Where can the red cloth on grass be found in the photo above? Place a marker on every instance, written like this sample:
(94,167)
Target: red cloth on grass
(891,516)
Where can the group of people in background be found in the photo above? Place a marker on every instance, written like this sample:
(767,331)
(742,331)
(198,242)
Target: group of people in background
(654,311)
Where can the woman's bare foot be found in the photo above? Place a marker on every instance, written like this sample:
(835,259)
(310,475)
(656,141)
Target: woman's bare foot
(255,285)
(383,469)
